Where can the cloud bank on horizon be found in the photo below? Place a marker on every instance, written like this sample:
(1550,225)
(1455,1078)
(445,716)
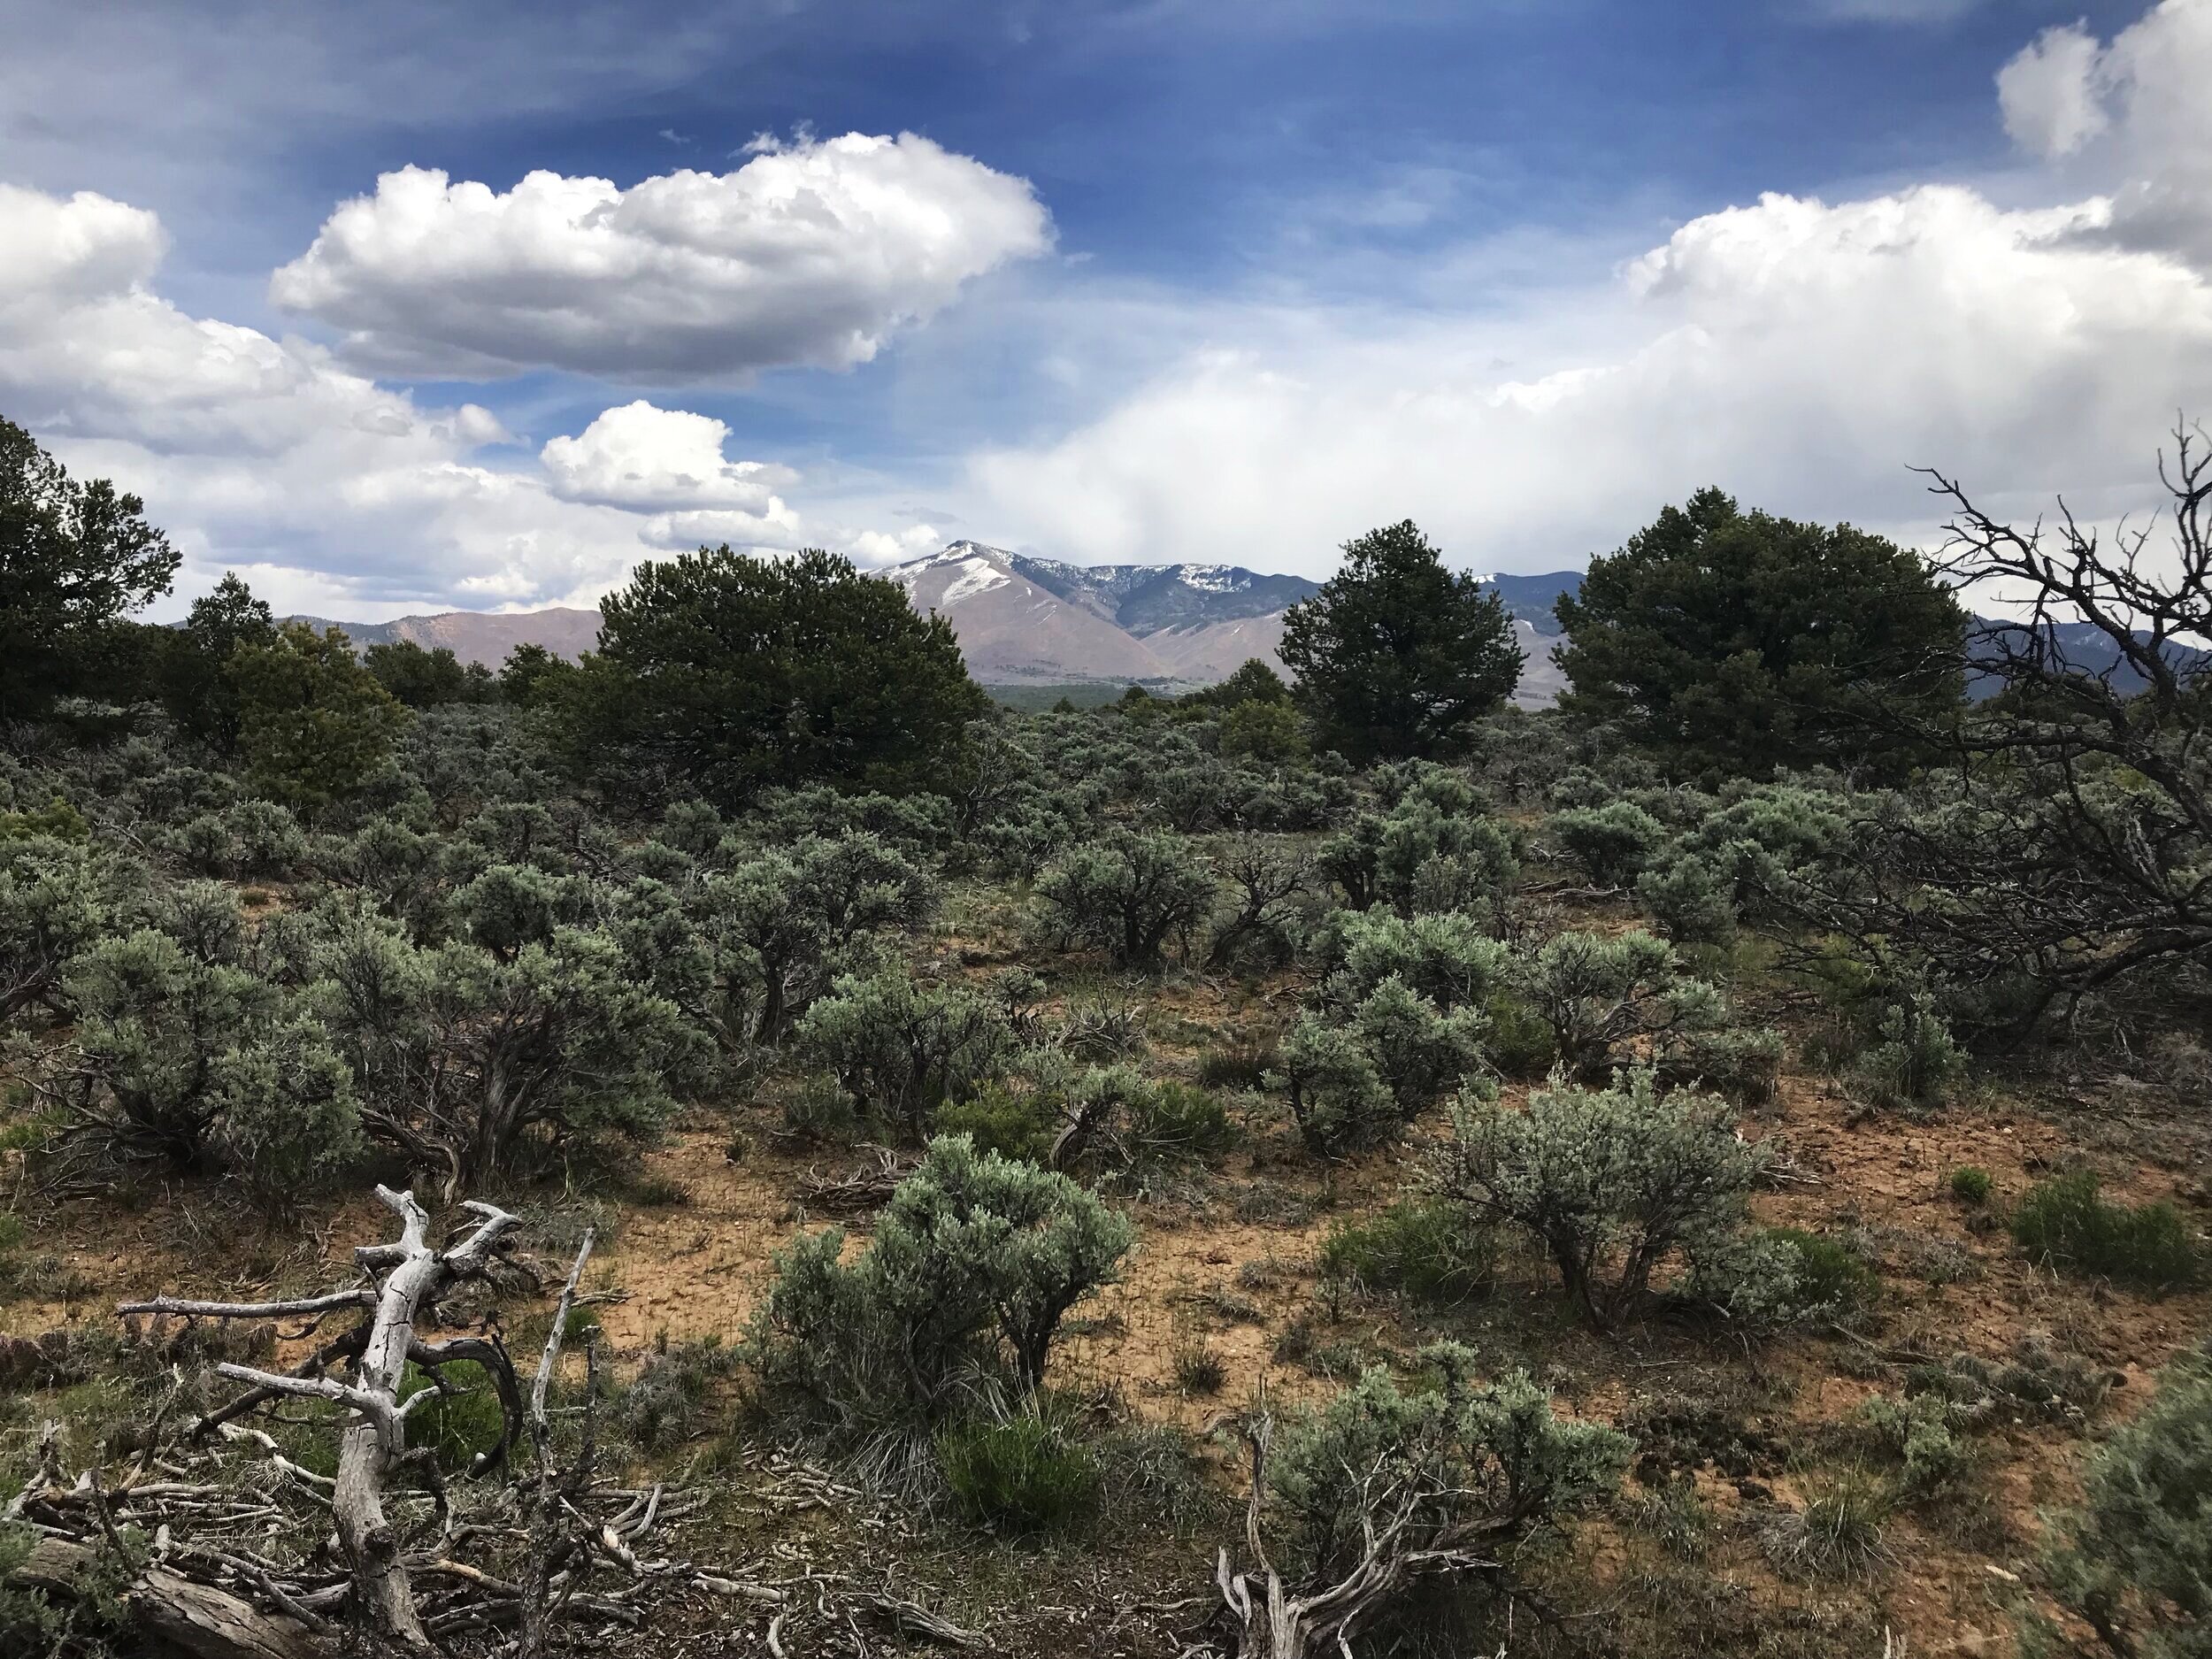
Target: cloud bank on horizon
(2033,327)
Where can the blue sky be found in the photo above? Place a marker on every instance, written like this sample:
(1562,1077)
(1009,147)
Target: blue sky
(1150,281)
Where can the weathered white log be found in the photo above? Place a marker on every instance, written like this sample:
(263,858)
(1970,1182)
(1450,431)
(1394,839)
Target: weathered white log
(374,1441)
(203,1621)
(361,1297)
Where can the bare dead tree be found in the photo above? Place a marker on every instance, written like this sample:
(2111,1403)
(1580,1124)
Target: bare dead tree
(374,1445)
(2071,850)
(546,1532)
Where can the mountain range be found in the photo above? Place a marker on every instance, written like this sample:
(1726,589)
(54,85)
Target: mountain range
(1027,621)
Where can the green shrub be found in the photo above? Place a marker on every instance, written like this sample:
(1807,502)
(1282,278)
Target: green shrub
(1610,1182)
(2135,1559)
(460,1424)
(1611,844)
(819,1109)
(902,1047)
(1016,1124)
(1174,1122)
(973,1264)
(2064,1221)
(469,1056)
(187,1057)
(1970,1184)
(1021,1476)
(1243,1064)
(1424,1249)
(1518,1039)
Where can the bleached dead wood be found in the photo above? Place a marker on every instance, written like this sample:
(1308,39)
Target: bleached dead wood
(547,1524)
(1273,1623)
(375,1440)
(867,1187)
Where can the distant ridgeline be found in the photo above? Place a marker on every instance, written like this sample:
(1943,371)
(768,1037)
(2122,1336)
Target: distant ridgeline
(2086,650)
(1026,624)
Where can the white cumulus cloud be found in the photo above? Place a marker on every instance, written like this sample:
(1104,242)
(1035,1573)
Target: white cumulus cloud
(2050,92)
(642,457)
(2137,110)
(337,494)
(1800,353)
(810,253)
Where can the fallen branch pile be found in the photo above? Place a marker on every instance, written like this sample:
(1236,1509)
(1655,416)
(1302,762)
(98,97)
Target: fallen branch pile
(862,1190)
(227,1546)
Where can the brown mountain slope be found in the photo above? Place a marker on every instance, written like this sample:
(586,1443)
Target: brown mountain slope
(477,636)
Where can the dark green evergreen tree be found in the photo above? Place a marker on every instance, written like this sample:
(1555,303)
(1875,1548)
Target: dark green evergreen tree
(76,558)
(723,673)
(1745,642)
(1396,654)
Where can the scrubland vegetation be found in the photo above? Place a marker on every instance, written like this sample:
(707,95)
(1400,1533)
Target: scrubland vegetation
(1345,1167)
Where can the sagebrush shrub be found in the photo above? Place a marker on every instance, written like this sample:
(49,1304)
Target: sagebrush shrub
(1128,895)
(1449,958)
(1692,895)
(1915,1064)
(55,898)
(905,1048)
(1765,1279)
(1921,1432)
(1610,1182)
(459,1055)
(1463,1458)
(190,1058)
(973,1262)
(1598,992)
(2135,1559)
(1417,1052)
(1611,844)
(1338,1098)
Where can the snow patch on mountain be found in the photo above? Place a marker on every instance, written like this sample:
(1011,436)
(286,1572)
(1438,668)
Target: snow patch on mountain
(977,576)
